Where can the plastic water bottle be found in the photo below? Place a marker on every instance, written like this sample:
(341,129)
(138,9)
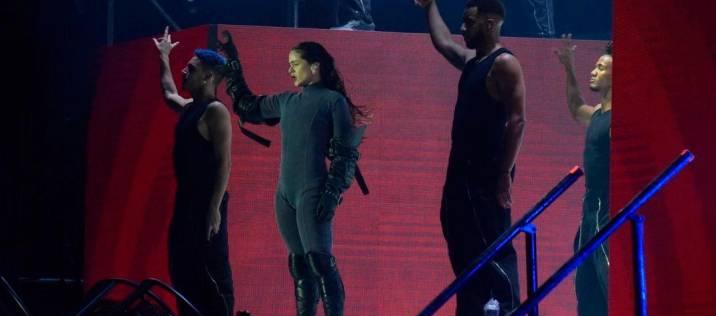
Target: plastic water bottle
(492,308)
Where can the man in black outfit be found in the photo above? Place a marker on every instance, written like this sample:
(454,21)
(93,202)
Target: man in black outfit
(487,131)
(198,240)
(591,276)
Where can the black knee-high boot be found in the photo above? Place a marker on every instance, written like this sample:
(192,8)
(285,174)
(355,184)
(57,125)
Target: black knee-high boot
(306,288)
(330,285)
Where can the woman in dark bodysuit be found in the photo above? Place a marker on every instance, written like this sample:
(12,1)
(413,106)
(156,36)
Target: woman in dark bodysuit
(319,121)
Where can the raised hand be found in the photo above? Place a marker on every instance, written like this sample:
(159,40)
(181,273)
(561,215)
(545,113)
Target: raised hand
(566,52)
(227,47)
(164,44)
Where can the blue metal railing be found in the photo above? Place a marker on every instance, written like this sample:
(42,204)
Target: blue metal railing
(629,212)
(523,225)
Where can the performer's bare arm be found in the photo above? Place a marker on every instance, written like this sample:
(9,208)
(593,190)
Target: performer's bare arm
(581,112)
(171,95)
(218,126)
(440,35)
(506,74)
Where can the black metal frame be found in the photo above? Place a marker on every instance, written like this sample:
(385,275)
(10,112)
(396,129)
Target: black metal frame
(102,288)
(13,296)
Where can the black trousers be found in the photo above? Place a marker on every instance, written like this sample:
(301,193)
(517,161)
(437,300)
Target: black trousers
(471,220)
(592,275)
(199,269)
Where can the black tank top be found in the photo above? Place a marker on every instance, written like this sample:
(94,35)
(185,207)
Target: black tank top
(194,163)
(478,126)
(596,152)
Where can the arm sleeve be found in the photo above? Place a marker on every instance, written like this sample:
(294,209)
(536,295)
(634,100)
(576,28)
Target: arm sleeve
(343,149)
(249,107)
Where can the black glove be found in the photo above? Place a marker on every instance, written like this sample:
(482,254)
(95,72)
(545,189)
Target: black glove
(245,103)
(330,199)
(228,48)
(236,85)
(340,175)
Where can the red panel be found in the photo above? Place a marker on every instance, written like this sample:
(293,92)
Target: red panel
(388,244)
(664,103)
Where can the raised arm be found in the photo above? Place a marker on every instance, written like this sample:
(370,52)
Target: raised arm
(440,35)
(507,74)
(171,96)
(248,106)
(580,111)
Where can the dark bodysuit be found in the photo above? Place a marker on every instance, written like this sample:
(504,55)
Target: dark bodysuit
(316,123)
(591,277)
(199,269)
(309,119)
(470,213)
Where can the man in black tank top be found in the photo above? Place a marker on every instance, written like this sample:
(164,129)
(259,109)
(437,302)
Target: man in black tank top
(198,239)
(487,132)
(591,277)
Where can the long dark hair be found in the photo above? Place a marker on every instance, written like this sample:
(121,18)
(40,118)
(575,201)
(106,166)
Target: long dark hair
(313,52)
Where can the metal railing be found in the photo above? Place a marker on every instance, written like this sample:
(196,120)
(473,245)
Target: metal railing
(523,225)
(17,303)
(629,212)
(102,288)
